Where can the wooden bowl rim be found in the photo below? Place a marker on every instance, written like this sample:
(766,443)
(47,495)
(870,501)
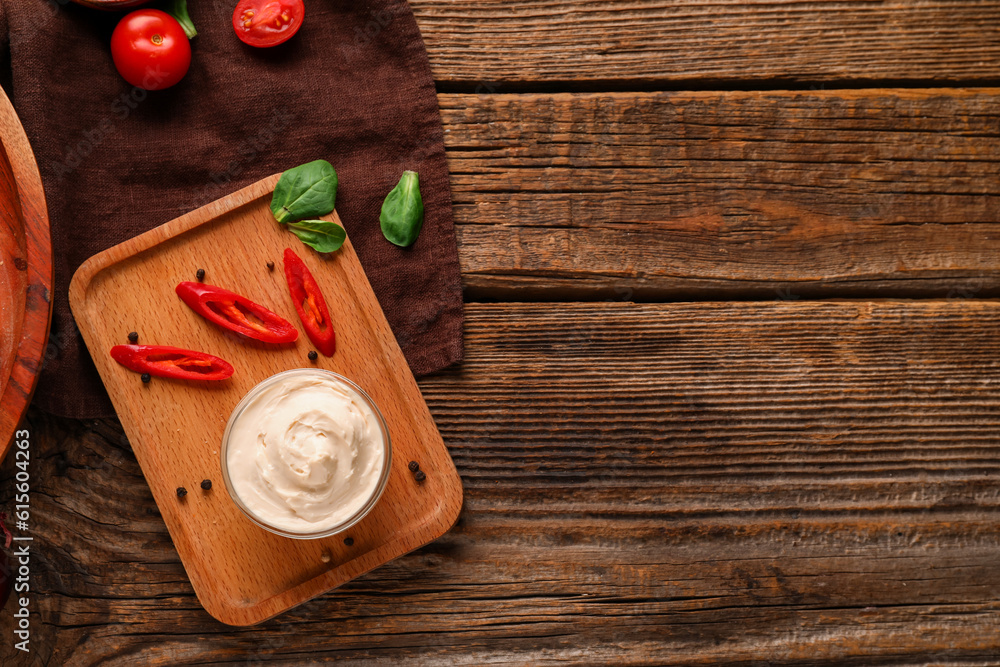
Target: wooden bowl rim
(37,314)
(111,5)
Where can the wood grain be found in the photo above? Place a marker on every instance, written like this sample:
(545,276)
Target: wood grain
(242,573)
(783,483)
(497,45)
(25,273)
(650,196)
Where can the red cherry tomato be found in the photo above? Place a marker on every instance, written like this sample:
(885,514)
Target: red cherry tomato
(150,49)
(267,22)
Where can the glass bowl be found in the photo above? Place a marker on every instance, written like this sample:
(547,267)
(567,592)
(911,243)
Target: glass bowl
(376,493)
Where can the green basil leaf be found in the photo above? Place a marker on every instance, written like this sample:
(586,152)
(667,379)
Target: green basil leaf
(403,211)
(320,235)
(307,191)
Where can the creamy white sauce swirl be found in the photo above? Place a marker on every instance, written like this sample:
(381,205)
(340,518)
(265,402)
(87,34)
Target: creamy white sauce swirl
(306,453)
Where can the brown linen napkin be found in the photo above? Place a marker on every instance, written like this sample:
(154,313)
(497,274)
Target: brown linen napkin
(353,86)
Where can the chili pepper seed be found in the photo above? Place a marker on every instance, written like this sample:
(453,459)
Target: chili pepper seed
(206,484)
(200,274)
(133,337)
(414,466)
(349,541)
(313,356)
(419,476)
(181,492)
(270,266)
(146,377)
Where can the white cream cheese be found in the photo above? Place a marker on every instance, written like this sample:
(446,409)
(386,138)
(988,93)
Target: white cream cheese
(306,453)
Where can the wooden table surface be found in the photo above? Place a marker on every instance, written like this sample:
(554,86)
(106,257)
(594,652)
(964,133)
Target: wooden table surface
(732,387)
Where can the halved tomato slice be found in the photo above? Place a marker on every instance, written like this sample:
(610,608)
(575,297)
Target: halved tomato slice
(265,23)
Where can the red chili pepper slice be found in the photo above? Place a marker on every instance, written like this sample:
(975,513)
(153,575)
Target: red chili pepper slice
(309,304)
(236,313)
(171,362)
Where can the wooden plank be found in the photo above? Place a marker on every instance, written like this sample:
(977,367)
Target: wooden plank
(736,194)
(242,573)
(493,45)
(792,483)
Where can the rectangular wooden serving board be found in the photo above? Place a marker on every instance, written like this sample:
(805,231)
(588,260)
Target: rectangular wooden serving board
(241,573)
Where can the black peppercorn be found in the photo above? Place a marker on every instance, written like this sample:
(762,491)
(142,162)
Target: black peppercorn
(270,266)
(133,337)
(200,274)
(419,476)
(313,356)
(348,541)
(414,466)
(146,377)
(206,484)
(181,492)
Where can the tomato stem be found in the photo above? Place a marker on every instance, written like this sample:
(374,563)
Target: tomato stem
(179,10)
